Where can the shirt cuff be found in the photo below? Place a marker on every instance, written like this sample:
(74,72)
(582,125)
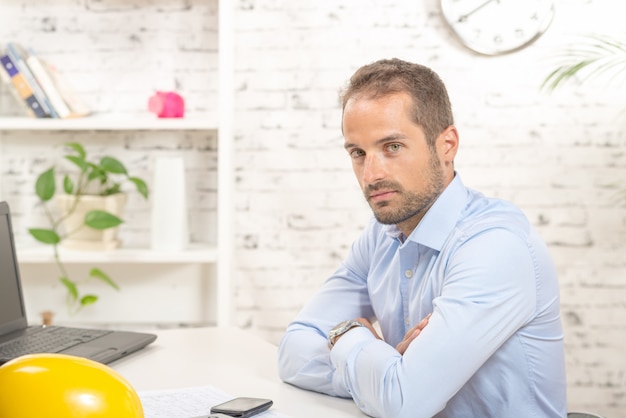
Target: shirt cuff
(344,353)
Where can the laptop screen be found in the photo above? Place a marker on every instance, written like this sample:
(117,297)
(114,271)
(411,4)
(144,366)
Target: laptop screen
(12,314)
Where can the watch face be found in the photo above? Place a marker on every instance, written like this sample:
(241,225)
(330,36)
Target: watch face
(494,27)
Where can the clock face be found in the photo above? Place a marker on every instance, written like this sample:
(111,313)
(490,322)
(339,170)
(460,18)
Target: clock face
(494,27)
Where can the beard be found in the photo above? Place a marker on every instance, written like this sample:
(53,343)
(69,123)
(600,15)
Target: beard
(411,204)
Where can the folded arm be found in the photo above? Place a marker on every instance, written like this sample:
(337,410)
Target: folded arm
(486,298)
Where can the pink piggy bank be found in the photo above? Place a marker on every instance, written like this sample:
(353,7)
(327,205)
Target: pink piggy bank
(166,104)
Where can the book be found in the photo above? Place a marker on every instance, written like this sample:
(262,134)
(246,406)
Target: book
(20,88)
(15,52)
(5,79)
(78,108)
(40,72)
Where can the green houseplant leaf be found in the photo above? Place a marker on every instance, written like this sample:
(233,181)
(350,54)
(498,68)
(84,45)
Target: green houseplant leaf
(88,300)
(78,162)
(68,185)
(71,288)
(100,275)
(47,236)
(45,187)
(112,165)
(591,57)
(77,148)
(99,219)
(141,185)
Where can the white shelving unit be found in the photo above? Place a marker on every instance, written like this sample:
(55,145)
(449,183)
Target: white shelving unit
(194,254)
(202,258)
(111,122)
(225,178)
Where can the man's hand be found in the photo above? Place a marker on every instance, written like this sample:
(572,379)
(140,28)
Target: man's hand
(404,344)
(411,334)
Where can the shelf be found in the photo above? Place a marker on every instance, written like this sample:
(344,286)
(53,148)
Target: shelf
(202,254)
(116,122)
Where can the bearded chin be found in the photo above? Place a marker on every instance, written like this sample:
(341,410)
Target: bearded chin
(411,204)
(389,216)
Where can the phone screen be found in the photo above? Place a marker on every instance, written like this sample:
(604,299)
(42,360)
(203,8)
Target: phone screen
(242,407)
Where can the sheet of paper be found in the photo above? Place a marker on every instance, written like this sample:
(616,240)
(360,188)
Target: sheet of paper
(189,402)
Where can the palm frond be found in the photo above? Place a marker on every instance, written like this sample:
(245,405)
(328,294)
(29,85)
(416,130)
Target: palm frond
(594,56)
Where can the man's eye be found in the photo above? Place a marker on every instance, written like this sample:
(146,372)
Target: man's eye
(394,147)
(356,153)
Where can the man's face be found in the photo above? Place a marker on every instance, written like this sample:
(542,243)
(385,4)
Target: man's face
(400,175)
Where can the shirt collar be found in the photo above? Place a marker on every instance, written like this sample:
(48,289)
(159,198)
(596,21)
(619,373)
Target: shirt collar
(443,215)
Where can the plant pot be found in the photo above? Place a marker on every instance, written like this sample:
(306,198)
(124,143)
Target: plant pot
(81,237)
(46,318)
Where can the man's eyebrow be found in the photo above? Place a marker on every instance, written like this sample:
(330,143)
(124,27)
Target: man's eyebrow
(383,140)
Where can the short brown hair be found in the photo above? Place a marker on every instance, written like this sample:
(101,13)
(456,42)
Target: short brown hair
(432,109)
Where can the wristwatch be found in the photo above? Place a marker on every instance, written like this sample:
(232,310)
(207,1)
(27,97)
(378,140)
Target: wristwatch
(341,328)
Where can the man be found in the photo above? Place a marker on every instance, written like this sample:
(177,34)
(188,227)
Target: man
(462,288)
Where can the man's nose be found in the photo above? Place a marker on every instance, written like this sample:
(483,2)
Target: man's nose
(373,169)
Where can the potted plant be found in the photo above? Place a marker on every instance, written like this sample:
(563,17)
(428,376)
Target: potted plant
(85,210)
(594,56)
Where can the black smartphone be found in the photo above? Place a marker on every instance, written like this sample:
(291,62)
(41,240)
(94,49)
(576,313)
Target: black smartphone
(242,407)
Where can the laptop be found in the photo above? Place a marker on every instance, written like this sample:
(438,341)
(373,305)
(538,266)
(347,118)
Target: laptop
(17,338)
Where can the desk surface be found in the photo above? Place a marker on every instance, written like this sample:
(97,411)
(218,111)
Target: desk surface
(229,359)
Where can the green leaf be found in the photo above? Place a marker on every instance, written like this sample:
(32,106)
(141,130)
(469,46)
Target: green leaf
(99,274)
(88,300)
(99,219)
(78,148)
(96,173)
(112,165)
(47,236)
(68,185)
(45,186)
(590,57)
(142,187)
(71,287)
(78,162)
(114,189)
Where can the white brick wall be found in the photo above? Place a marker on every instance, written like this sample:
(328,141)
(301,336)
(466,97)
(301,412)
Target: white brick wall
(559,156)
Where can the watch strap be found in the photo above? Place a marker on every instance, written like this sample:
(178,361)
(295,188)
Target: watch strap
(341,329)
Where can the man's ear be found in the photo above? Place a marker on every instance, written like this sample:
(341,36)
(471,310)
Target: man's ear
(450,143)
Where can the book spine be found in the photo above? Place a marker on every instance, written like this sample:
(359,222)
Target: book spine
(6,80)
(48,86)
(22,88)
(14,54)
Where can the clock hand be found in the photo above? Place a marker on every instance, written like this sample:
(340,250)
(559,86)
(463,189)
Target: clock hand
(464,17)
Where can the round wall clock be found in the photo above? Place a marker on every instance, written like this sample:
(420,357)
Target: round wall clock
(494,27)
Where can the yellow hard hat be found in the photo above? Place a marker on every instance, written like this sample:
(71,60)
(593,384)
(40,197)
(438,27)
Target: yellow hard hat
(62,386)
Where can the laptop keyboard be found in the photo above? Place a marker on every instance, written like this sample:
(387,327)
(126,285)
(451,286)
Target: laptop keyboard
(48,340)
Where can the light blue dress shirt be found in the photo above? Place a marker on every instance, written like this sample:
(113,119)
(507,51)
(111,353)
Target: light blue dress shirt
(493,346)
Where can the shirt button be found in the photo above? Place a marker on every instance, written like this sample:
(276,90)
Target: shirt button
(408,274)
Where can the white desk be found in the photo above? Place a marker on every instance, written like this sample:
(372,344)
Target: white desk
(229,359)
